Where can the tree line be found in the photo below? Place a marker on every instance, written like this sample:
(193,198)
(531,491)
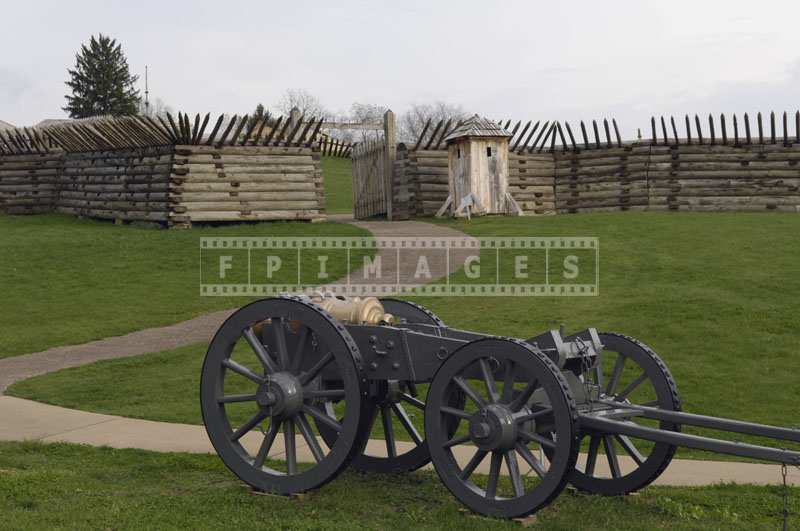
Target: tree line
(101,84)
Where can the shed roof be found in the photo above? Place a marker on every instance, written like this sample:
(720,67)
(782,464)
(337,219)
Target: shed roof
(477,126)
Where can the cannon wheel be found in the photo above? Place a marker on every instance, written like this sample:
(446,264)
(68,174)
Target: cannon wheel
(290,344)
(391,399)
(632,374)
(518,403)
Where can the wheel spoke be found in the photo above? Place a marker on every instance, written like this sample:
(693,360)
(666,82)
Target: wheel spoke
(297,361)
(254,421)
(591,457)
(615,374)
(513,471)
(290,446)
(508,382)
(266,445)
(494,475)
(407,424)
(630,449)
(467,471)
(315,370)
(488,380)
(323,418)
(524,396)
(455,441)
(534,415)
(236,398)
(413,401)
(242,370)
(311,439)
(469,391)
(460,413)
(531,459)
(535,437)
(388,431)
(611,455)
(631,387)
(324,393)
(280,342)
(259,350)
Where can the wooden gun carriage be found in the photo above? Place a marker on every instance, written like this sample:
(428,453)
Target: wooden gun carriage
(504,419)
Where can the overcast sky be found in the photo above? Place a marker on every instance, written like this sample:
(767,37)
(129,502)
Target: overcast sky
(521,59)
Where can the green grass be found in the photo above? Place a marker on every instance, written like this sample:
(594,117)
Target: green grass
(62,486)
(68,281)
(338,177)
(716,295)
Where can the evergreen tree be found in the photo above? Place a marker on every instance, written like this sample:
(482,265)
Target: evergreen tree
(101,82)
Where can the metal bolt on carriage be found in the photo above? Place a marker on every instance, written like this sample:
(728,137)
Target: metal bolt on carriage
(293,388)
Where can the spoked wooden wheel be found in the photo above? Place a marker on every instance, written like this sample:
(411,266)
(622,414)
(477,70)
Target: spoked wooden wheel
(517,404)
(395,411)
(261,384)
(629,373)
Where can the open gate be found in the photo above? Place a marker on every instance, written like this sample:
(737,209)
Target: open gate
(369,180)
(373,163)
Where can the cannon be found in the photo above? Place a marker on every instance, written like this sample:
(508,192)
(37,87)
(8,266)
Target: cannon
(294,387)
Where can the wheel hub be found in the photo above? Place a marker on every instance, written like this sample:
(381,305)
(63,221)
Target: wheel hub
(493,428)
(281,395)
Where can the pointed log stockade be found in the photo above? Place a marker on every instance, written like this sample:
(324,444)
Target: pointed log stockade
(552,170)
(174,171)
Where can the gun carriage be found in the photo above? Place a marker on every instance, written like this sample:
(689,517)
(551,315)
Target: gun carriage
(331,371)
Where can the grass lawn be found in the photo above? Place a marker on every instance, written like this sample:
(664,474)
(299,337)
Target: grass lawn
(62,486)
(338,176)
(716,295)
(68,281)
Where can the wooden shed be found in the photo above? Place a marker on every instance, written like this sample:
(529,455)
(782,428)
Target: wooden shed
(478,169)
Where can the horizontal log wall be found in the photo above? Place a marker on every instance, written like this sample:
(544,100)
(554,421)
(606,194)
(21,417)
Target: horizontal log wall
(29,182)
(605,179)
(681,176)
(122,184)
(531,182)
(244,183)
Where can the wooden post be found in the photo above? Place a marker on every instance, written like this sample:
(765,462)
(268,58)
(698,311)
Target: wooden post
(390,151)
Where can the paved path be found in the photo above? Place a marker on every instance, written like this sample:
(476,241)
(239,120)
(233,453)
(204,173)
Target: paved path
(202,328)
(26,419)
(29,420)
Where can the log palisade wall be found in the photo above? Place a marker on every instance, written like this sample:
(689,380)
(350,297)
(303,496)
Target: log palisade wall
(140,169)
(242,183)
(720,166)
(636,176)
(29,183)
(680,177)
(124,185)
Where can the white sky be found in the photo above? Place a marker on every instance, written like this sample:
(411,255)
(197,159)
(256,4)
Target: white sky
(504,59)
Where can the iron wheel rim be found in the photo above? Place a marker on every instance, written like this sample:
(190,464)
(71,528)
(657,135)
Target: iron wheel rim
(542,375)
(343,354)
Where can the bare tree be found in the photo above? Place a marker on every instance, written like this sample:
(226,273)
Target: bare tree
(156,108)
(307,103)
(413,120)
(367,113)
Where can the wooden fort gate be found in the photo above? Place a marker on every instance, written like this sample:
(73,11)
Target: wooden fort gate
(373,163)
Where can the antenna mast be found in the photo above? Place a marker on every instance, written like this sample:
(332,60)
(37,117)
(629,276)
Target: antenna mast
(146,93)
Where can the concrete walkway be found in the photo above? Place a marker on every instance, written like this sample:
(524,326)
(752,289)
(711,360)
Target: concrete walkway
(29,420)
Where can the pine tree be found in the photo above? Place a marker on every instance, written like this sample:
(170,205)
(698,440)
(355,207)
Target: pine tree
(101,82)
